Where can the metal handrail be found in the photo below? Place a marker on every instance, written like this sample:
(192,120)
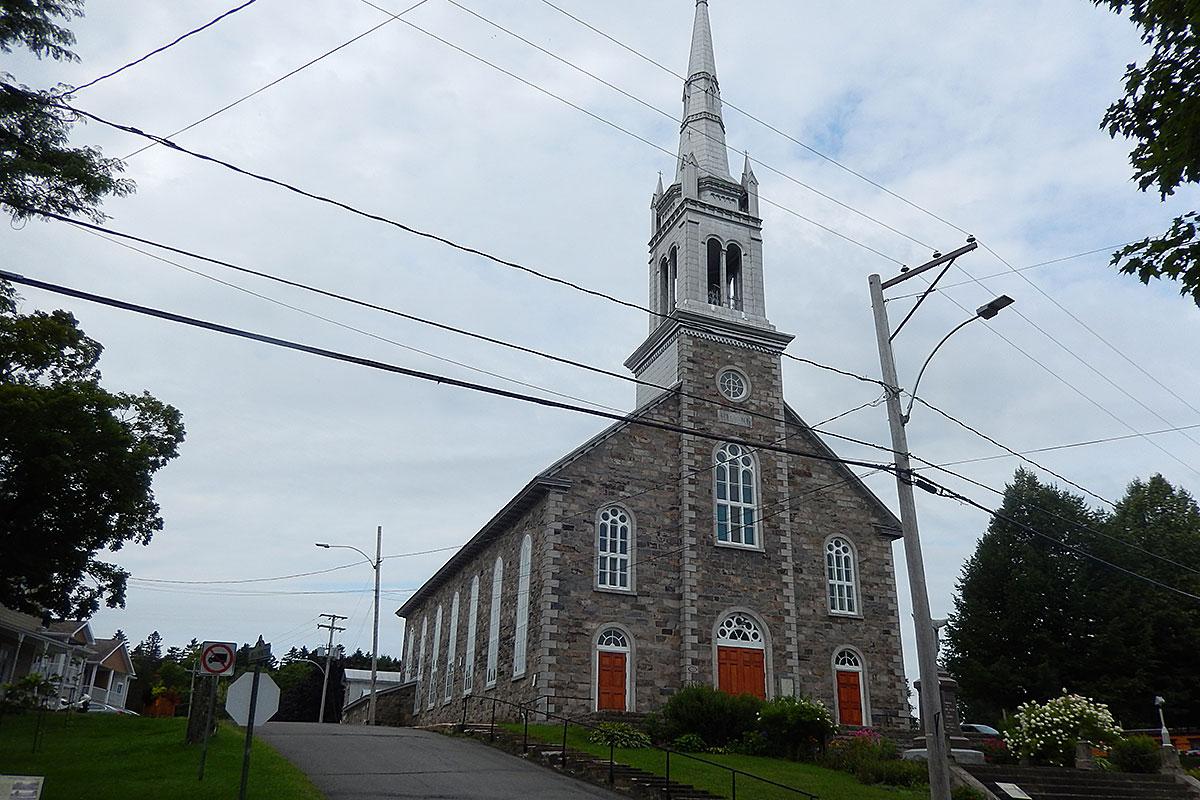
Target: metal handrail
(526,710)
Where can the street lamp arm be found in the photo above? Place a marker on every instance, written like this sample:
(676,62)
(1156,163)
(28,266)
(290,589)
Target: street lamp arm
(370,560)
(913,392)
(315,664)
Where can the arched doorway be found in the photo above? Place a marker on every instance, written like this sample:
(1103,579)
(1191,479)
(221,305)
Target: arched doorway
(848,674)
(612,670)
(741,656)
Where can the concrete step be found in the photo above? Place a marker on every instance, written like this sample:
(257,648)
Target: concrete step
(1056,783)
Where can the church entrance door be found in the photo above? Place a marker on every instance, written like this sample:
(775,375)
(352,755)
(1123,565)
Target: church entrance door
(742,670)
(849,697)
(611,680)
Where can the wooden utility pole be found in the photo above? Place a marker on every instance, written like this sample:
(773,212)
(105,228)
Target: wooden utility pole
(332,626)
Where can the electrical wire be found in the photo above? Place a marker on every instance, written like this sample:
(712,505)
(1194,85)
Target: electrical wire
(1071,445)
(277,81)
(158,50)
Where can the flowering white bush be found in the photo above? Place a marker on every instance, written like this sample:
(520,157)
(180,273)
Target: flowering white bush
(1048,732)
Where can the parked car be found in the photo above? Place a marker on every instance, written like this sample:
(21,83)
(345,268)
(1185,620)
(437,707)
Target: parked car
(975,727)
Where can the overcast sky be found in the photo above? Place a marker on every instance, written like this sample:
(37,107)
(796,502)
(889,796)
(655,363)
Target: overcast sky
(985,114)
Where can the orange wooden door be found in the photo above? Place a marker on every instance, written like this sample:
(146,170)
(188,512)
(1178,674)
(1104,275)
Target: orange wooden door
(611,682)
(849,697)
(742,670)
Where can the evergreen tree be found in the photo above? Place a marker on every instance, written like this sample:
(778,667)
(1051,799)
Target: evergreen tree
(1019,622)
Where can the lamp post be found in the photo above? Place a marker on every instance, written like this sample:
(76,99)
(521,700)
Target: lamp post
(375,563)
(1166,736)
(936,746)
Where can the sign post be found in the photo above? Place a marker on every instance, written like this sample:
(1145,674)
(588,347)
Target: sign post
(216,660)
(243,705)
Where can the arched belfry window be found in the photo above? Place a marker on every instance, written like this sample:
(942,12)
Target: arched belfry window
(736,496)
(664,286)
(733,277)
(841,576)
(672,279)
(614,549)
(715,281)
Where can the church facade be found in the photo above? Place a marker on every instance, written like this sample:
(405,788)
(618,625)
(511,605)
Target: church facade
(648,559)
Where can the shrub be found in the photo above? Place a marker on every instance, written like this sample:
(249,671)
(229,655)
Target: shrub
(1136,754)
(1047,733)
(618,734)
(26,693)
(795,727)
(966,793)
(752,743)
(853,752)
(690,743)
(714,716)
(893,773)
(995,751)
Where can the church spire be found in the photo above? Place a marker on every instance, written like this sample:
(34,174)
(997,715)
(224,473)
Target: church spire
(702,134)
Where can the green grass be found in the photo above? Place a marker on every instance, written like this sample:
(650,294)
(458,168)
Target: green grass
(825,783)
(111,757)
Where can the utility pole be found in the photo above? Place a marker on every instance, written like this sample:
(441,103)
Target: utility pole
(332,626)
(936,745)
(375,632)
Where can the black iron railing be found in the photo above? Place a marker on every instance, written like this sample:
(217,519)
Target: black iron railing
(525,711)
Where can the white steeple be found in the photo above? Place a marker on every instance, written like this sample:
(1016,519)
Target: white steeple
(702,134)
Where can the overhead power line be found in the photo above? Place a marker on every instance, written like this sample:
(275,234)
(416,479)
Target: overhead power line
(1072,445)
(158,50)
(419,374)
(278,80)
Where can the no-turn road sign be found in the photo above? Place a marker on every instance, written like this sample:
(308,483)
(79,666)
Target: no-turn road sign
(217,658)
(237,701)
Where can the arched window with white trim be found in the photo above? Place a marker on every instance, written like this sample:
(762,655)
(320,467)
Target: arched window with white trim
(431,695)
(408,650)
(421,661)
(521,632)
(614,549)
(841,576)
(451,649)
(493,651)
(472,627)
(613,657)
(850,684)
(736,497)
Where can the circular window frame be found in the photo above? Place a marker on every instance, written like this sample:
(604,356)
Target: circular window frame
(721,373)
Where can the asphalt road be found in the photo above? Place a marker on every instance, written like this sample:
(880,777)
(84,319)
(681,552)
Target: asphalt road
(354,762)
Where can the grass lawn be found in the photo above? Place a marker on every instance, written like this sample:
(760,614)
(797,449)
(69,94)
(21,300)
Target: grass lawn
(118,757)
(825,783)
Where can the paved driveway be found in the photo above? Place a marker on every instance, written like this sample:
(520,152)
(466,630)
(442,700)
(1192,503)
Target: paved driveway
(353,762)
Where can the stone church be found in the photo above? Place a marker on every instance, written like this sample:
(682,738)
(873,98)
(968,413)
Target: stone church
(646,559)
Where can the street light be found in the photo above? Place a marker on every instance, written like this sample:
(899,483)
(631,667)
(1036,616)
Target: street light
(936,750)
(1166,736)
(375,632)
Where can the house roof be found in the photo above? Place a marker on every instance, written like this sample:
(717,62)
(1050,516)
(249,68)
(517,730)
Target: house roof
(72,629)
(103,648)
(29,625)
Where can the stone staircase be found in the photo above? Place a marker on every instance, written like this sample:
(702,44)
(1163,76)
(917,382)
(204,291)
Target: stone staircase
(1052,783)
(625,779)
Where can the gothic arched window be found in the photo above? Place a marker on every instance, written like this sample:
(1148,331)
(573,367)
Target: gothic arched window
(733,277)
(841,576)
(614,549)
(714,284)
(521,634)
(451,649)
(472,627)
(736,497)
(493,651)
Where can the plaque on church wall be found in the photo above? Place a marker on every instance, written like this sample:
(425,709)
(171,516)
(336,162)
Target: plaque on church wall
(734,417)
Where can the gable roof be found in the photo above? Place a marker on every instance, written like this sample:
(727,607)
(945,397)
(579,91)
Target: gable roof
(891,525)
(524,500)
(103,648)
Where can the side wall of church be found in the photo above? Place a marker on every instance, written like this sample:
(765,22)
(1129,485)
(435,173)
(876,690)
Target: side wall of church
(540,522)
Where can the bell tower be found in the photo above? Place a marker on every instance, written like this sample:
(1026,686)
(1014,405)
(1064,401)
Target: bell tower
(706,258)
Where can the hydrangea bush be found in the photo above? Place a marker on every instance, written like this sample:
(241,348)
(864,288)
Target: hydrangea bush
(1047,732)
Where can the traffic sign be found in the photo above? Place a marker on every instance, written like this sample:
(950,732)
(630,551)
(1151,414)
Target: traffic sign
(259,653)
(237,701)
(217,658)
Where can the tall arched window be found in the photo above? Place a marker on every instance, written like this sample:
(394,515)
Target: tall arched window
(408,651)
(472,627)
(421,661)
(733,277)
(431,695)
(521,634)
(673,280)
(841,576)
(614,548)
(850,684)
(612,670)
(715,261)
(451,649)
(493,651)
(664,286)
(736,497)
